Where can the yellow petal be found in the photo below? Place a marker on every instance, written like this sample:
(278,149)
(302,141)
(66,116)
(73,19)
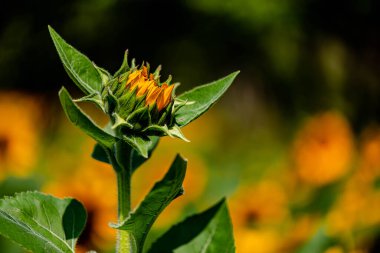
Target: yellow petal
(143,87)
(133,76)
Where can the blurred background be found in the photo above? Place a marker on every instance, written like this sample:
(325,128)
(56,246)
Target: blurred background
(294,144)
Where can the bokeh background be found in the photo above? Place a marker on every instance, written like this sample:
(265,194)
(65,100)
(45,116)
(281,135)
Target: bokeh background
(294,144)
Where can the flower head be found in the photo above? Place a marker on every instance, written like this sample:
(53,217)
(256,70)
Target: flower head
(139,103)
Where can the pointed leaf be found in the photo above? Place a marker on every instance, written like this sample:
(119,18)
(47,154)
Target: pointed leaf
(201,98)
(163,192)
(81,120)
(78,66)
(209,231)
(42,223)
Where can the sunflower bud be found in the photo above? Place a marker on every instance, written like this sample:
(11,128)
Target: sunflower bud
(139,103)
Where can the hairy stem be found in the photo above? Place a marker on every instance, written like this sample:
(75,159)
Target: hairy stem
(125,243)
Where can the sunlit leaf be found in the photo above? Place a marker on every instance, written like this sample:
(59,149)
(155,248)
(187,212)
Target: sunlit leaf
(81,120)
(201,98)
(42,223)
(163,192)
(209,231)
(78,66)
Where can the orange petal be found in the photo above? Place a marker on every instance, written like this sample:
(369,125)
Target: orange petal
(161,103)
(145,71)
(152,96)
(168,94)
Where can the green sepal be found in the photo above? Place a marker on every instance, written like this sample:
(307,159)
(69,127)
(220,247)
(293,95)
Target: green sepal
(124,66)
(156,73)
(140,143)
(93,98)
(139,118)
(42,223)
(120,123)
(174,131)
(111,102)
(163,192)
(201,98)
(209,231)
(127,103)
(165,115)
(77,65)
(81,120)
(137,159)
(104,74)
(156,130)
(100,153)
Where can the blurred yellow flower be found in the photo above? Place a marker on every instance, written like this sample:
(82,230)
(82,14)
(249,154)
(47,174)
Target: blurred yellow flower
(256,241)
(357,208)
(323,149)
(19,125)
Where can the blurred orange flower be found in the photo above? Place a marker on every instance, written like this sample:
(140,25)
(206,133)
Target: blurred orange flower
(19,125)
(369,167)
(323,149)
(264,203)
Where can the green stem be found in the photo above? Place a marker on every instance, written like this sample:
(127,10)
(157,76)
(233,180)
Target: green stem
(125,242)
(124,194)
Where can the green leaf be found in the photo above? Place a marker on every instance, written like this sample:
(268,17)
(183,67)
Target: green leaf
(42,223)
(137,159)
(140,143)
(163,192)
(209,231)
(81,120)
(78,66)
(201,98)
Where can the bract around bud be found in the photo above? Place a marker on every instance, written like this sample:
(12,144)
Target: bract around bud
(138,104)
